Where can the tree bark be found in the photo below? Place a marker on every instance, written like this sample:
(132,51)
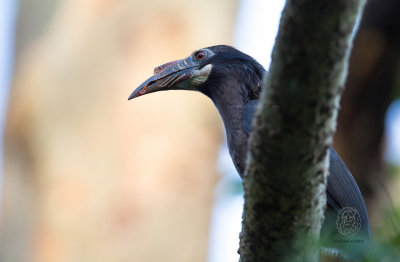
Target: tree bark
(288,158)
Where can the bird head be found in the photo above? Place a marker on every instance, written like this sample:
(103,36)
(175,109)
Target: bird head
(204,70)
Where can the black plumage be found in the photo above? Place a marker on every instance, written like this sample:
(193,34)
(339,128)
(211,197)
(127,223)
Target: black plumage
(232,80)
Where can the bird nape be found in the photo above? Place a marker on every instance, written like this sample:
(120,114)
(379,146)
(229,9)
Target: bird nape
(233,80)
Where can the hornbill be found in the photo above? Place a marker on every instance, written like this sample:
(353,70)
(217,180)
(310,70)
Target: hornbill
(233,80)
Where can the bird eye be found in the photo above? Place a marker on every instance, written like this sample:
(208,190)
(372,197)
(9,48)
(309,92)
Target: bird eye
(200,55)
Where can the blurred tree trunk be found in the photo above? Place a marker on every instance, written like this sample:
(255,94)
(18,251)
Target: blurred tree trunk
(374,63)
(18,210)
(90,176)
(285,181)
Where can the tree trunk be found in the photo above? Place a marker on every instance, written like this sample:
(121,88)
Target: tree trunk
(288,162)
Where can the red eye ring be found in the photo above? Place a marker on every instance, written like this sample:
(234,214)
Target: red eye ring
(200,55)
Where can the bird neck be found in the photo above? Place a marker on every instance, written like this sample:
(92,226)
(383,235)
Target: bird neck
(230,93)
(231,112)
(230,101)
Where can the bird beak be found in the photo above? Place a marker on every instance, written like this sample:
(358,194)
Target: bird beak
(166,77)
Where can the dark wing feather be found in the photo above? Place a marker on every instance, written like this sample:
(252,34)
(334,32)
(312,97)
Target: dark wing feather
(342,190)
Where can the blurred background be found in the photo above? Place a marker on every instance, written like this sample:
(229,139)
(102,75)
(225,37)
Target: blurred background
(88,176)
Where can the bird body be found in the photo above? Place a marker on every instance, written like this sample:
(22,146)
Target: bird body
(233,80)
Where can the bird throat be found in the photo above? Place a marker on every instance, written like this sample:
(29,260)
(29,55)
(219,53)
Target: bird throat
(200,76)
